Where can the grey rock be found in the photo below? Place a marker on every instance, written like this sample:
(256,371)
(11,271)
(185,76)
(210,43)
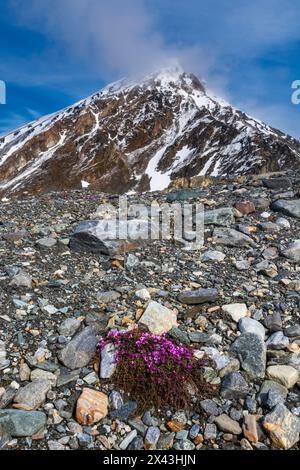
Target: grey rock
(136,444)
(185,195)
(234,386)
(108,361)
(34,394)
(231,237)
(19,423)
(69,327)
(194,431)
(96,236)
(152,437)
(107,297)
(210,432)
(283,427)
(273,322)
(223,216)
(80,351)
(251,352)
(184,445)
(47,242)
(287,207)
(292,331)
(115,400)
(198,296)
(213,255)
(273,387)
(128,439)
(166,441)
(22,279)
(67,377)
(277,183)
(179,335)
(210,407)
(292,251)
(248,325)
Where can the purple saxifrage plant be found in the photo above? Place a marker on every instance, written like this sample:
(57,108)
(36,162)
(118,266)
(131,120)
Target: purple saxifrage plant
(154,370)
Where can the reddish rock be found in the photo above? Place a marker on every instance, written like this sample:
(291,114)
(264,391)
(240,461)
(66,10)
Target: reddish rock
(245,207)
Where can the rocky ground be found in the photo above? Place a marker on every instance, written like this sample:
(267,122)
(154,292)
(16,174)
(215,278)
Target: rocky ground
(235,300)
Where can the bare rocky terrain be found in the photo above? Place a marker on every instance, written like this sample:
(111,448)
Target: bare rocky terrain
(140,136)
(236,300)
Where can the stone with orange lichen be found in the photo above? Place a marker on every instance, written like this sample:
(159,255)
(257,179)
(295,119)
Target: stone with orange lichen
(175,426)
(283,427)
(92,407)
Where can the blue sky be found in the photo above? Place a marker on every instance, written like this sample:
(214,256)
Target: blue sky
(55,52)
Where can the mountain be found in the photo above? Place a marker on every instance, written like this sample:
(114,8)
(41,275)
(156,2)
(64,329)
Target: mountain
(139,136)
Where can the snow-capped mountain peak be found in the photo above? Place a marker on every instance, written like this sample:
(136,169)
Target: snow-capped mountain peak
(140,135)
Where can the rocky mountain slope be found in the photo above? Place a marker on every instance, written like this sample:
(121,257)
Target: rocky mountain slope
(140,136)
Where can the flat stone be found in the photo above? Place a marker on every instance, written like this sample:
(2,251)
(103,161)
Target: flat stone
(283,427)
(277,183)
(250,428)
(223,216)
(107,297)
(236,311)
(234,386)
(33,395)
(100,236)
(277,341)
(115,400)
(287,207)
(185,195)
(231,237)
(22,279)
(125,412)
(152,437)
(285,375)
(128,439)
(269,386)
(249,325)
(213,255)
(158,319)
(19,423)
(46,242)
(69,327)
(198,296)
(273,322)
(80,350)
(251,351)
(292,251)
(210,432)
(108,361)
(92,407)
(245,207)
(179,335)
(292,331)
(243,265)
(226,424)
(39,374)
(210,407)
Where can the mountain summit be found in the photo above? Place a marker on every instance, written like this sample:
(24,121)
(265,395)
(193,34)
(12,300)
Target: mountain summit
(139,136)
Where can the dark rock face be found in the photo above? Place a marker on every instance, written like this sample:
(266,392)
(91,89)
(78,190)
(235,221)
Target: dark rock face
(130,134)
(80,350)
(287,207)
(251,349)
(198,296)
